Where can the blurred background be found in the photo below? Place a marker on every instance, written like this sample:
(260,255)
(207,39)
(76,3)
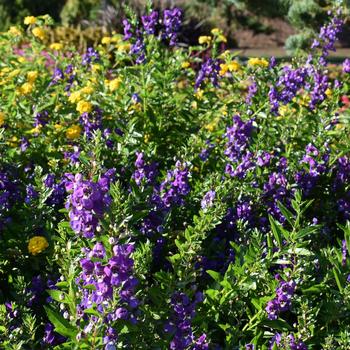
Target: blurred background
(255,26)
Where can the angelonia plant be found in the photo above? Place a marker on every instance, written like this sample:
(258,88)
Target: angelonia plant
(160,196)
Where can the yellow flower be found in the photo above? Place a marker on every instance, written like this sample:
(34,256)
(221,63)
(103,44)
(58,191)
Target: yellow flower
(216,31)
(15,31)
(329,92)
(32,75)
(26,88)
(254,61)
(199,94)
(210,126)
(84,107)
(29,20)
(225,54)
(74,97)
(223,68)
(124,47)
(283,110)
(58,127)
(56,46)
(14,73)
(35,130)
(106,40)
(73,132)
(116,39)
(39,33)
(37,244)
(114,84)
(13,141)
(2,118)
(185,64)
(204,40)
(234,66)
(21,59)
(146,138)
(87,90)
(222,38)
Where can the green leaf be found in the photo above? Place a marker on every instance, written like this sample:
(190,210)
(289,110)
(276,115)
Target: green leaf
(215,275)
(338,279)
(275,231)
(61,325)
(92,311)
(279,324)
(57,295)
(307,231)
(286,213)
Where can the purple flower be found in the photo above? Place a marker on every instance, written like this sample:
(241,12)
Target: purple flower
(179,323)
(172,24)
(52,338)
(318,94)
(57,75)
(208,199)
(138,49)
(282,301)
(90,56)
(91,122)
(209,70)
(144,172)
(127,30)
(149,22)
(252,90)
(328,36)
(287,86)
(86,204)
(346,66)
(173,189)
(41,118)
(31,194)
(24,144)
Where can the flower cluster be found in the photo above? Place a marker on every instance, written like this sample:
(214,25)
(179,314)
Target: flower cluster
(278,342)
(282,301)
(87,202)
(107,276)
(144,172)
(209,70)
(179,324)
(174,188)
(287,86)
(328,36)
(236,148)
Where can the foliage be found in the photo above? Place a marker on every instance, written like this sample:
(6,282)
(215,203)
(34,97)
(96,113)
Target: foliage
(157,196)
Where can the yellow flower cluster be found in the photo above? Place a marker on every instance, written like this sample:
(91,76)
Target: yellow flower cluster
(114,84)
(31,76)
(84,107)
(56,46)
(255,61)
(37,244)
(39,33)
(232,66)
(219,36)
(78,95)
(25,88)
(73,132)
(15,31)
(204,40)
(29,20)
